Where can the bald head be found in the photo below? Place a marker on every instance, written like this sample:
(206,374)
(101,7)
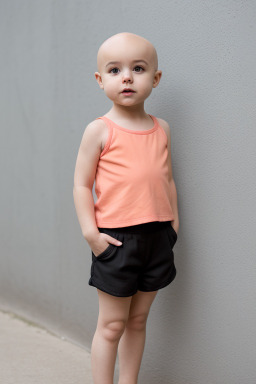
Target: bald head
(126,44)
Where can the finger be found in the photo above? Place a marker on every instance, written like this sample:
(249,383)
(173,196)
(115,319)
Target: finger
(112,240)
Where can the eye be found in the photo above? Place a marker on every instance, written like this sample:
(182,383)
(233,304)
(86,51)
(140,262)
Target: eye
(114,69)
(140,69)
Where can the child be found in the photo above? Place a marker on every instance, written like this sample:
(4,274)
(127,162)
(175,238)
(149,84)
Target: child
(128,154)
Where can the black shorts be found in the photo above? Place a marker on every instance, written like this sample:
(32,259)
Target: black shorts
(144,261)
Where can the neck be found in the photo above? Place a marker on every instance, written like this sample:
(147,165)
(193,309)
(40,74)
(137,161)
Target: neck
(135,112)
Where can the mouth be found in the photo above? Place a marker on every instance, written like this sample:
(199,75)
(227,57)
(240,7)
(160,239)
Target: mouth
(128,90)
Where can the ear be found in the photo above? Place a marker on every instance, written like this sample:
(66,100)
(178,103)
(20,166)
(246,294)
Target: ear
(157,77)
(99,79)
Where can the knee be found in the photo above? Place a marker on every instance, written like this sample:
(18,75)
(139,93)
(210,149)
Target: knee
(137,322)
(113,330)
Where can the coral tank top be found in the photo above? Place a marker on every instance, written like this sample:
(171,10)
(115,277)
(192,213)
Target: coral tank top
(131,181)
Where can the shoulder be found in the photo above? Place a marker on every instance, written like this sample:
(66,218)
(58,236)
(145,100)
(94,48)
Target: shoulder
(92,135)
(163,123)
(165,127)
(95,126)
(96,132)
(89,153)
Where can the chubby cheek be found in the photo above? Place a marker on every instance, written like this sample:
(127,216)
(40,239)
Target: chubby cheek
(146,85)
(110,88)
(111,92)
(146,89)
(112,83)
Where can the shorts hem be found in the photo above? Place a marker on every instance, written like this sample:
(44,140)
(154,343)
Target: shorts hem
(95,284)
(163,285)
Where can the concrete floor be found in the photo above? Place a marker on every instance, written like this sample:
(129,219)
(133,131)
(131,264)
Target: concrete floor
(31,355)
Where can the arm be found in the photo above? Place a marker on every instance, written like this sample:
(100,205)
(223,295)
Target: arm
(85,170)
(174,201)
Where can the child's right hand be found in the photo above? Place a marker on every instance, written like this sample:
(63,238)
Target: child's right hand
(101,241)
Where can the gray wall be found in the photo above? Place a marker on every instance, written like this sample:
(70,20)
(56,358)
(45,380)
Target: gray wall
(201,328)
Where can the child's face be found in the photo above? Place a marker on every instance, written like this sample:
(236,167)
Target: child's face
(134,67)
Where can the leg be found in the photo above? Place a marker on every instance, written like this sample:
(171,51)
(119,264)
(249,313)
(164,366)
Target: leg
(132,342)
(113,315)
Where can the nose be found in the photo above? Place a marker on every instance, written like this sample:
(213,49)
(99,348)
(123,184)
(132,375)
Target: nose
(127,76)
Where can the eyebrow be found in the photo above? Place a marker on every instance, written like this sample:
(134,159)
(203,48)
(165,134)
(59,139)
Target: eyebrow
(134,61)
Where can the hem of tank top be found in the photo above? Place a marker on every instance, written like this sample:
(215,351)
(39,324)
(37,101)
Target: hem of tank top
(145,132)
(103,224)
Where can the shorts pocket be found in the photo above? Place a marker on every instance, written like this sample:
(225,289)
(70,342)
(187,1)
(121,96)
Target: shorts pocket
(108,252)
(102,253)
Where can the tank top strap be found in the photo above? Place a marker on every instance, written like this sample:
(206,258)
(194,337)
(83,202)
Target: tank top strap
(110,134)
(160,127)
(107,121)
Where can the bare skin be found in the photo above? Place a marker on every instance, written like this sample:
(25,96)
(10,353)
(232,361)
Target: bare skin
(121,325)
(142,77)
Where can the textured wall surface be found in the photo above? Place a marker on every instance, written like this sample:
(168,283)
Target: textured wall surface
(201,328)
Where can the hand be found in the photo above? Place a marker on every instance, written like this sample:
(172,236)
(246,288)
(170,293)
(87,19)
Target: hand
(101,241)
(175,225)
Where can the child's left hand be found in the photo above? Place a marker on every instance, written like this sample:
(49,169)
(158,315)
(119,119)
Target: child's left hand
(175,226)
